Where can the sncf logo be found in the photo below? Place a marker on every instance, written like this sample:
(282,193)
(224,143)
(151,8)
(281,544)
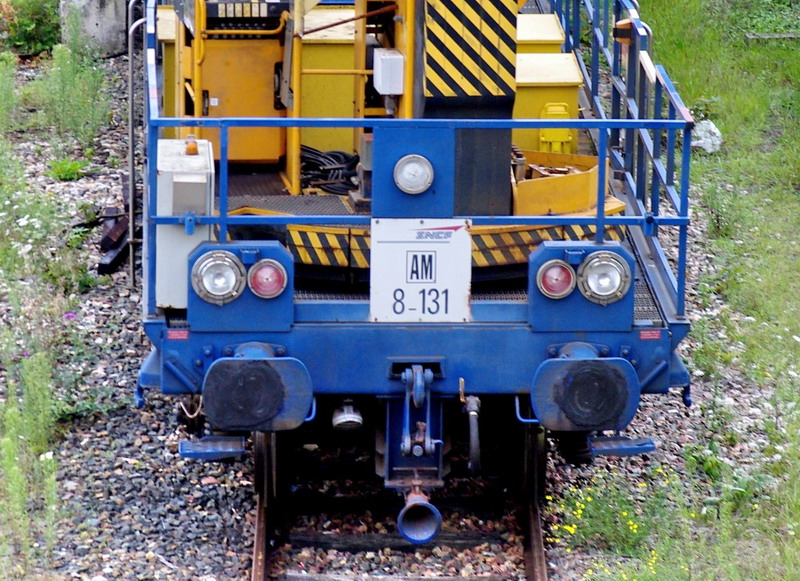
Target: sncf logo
(444,233)
(432,235)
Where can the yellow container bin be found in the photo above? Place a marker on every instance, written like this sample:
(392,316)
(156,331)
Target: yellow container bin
(537,33)
(546,81)
(568,193)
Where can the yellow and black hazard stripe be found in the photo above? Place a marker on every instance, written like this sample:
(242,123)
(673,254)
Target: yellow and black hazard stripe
(470,48)
(491,246)
(500,247)
(347,247)
(359,248)
(586,232)
(320,245)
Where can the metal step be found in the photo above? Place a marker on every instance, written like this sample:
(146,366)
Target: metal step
(212,448)
(620,446)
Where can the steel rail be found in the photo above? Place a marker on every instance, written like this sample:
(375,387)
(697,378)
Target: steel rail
(535,556)
(262,563)
(535,467)
(261,557)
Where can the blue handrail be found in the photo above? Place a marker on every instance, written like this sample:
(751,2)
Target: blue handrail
(639,156)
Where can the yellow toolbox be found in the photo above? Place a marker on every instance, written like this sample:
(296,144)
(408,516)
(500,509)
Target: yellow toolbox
(328,95)
(547,87)
(539,33)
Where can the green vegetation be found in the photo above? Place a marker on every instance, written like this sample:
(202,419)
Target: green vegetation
(43,265)
(72,95)
(728,521)
(7,94)
(67,169)
(30,26)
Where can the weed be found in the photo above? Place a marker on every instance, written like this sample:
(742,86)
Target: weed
(73,96)
(14,481)
(7,92)
(67,169)
(37,402)
(604,515)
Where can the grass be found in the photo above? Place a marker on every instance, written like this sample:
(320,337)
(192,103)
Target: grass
(43,268)
(7,93)
(67,169)
(725,521)
(72,95)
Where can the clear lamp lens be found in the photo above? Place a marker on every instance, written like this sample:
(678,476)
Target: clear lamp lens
(267,278)
(604,277)
(555,279)
(218,277)
(413,174)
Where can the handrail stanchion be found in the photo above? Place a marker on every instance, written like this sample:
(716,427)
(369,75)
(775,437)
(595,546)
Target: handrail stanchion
(601,185)
(223,182)
(131,152)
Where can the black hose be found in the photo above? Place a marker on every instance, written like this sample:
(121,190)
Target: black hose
(473,405)
(330,171)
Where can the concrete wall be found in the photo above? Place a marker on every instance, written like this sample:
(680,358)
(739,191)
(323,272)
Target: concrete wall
(102,20)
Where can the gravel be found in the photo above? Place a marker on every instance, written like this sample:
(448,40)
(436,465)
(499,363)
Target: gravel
(132,509)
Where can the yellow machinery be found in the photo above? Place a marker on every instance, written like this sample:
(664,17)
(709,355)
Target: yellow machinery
(383,59)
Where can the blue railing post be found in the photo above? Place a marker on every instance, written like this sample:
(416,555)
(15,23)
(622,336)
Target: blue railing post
(576,24)
(223,181)
(657,135)
(601,185)
(671,146)
(684,212)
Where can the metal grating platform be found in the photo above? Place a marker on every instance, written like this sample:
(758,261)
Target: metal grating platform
(645,309)
(296,205)
(644,305)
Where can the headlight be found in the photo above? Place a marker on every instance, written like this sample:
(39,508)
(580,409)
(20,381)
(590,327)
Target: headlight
(218,277)
(267,278)
(604,277)
(555,279)
(413,174)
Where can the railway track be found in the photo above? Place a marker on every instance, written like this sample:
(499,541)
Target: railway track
(271,517)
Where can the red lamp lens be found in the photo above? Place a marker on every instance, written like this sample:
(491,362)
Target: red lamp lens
(556,279)
(267,279)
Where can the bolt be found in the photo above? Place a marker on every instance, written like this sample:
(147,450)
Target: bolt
(207,351)
(625,352)
(552,352)
(634,362)
(280,351)
(198,363)
(604,351)
(227,352)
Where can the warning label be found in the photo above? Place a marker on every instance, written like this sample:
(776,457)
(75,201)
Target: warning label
(178,334)
(650,334)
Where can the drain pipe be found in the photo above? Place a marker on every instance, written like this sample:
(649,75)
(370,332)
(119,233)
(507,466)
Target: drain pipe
(419,522)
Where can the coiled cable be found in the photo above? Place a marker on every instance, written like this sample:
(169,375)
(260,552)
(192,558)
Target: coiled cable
(331,171)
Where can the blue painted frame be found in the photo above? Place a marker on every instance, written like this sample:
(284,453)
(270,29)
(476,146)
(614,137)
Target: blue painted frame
(359,364)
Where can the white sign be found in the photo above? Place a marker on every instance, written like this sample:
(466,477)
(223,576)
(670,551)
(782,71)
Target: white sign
(420,270)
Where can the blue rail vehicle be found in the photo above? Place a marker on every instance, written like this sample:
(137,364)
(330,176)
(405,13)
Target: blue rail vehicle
(413,218)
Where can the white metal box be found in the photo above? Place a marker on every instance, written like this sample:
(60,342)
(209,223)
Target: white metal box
(185,184)
(388,71)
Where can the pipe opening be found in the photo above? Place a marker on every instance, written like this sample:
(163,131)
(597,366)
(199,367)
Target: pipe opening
(419,522)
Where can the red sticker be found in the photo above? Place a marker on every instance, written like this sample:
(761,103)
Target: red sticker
(177,334)
(650,334)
